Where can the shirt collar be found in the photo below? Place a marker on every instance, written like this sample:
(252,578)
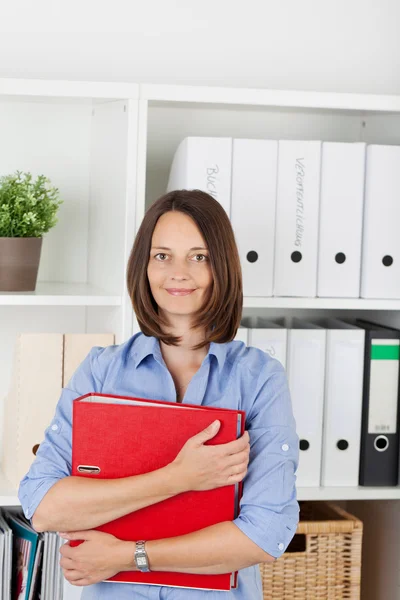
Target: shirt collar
(150,345)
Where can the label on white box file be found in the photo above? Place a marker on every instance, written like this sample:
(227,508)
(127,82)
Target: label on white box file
(383,386)
(300,172)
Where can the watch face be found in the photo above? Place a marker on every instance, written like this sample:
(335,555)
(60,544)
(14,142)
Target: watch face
(141,561)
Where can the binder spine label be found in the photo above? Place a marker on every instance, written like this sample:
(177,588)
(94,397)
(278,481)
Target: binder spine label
(300,176)
(383,389)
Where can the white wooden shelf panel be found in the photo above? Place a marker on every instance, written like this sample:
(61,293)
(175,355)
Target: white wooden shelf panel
(60,89)
(61,294)
(322,303)
(264,97)
(348,493)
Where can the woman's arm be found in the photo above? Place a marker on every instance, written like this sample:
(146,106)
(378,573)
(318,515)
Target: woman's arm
(221,548)
(80,503)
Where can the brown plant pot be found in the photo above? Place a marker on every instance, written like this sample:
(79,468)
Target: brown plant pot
(19,263)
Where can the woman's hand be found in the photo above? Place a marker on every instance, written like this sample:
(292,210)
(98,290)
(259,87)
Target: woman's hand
(201,467)
(99,557)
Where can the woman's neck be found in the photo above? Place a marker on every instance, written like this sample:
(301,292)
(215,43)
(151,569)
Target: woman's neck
(183,354)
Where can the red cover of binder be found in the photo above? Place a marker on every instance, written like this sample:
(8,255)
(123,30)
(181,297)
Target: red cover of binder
(128,439)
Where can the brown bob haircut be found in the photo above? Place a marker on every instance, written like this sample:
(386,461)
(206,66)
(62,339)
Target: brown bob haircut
(221,314)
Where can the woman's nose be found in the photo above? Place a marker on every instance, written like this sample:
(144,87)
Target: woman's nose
(179,276)
(179,269)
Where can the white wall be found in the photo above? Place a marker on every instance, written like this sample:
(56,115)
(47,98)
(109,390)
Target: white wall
(340,45)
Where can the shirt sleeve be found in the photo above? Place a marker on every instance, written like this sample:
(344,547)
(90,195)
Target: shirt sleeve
(53,458)
(269,511)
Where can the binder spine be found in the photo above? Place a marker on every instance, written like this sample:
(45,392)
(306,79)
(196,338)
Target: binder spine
(379,453)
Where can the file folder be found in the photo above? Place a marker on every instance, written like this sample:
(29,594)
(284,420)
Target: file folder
(344,372)
(204,163)
(43,364)
(121,436)
(254,167)
(381,239)
(77,346)
(341,217)
(36,384)
(306,374)
(269,336)
(379,455)
(297,214)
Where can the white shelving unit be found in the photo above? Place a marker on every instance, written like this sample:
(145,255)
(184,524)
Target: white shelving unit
(109,147)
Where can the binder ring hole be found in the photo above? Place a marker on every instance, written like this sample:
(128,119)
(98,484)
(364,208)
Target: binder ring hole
(88,469)
(304,445)
(381,443)
(340,258)
(296,256)
(342,444)
(35,448)
(387,260)
(252,256)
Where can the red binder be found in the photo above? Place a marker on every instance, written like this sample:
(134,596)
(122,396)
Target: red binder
(123,436)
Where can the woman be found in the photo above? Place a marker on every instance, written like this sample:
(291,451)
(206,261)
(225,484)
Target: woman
(185,284)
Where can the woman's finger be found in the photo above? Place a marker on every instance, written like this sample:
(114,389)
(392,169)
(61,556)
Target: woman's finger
(237,459)
(66,563)
(73,575)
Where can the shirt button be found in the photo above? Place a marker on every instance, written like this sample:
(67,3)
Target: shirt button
(281,546)
(54,427)
(285,447)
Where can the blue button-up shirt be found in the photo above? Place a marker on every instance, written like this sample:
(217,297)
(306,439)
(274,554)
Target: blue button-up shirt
(232,375)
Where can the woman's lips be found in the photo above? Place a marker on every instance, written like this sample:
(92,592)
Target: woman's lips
(179,292)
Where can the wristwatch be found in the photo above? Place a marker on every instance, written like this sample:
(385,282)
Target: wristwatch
(141,559)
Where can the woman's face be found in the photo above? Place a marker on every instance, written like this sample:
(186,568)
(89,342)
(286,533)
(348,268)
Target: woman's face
(179,269)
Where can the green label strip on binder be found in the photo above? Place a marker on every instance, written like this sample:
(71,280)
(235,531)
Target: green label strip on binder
(388,352)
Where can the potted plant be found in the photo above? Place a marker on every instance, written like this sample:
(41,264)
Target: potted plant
(27,210)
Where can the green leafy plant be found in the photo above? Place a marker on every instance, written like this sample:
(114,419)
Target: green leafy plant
(27,208)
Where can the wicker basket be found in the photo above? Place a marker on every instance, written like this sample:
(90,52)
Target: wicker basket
(323,560)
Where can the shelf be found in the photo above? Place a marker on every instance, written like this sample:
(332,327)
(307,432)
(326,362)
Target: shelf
(61,90)
(322,303)
(61,294)
(348,493)
(273,98)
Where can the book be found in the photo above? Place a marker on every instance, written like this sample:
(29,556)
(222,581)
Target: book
(121,436)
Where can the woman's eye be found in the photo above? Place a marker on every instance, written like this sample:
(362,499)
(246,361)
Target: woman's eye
(203,256)
(161,254)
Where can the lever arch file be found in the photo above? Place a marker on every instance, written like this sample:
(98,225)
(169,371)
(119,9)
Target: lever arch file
(341,216)
(379,455)
(297,213)
(306,375)
(118,436)
(204,163)
(253,211)
(381,240)
(344,370)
